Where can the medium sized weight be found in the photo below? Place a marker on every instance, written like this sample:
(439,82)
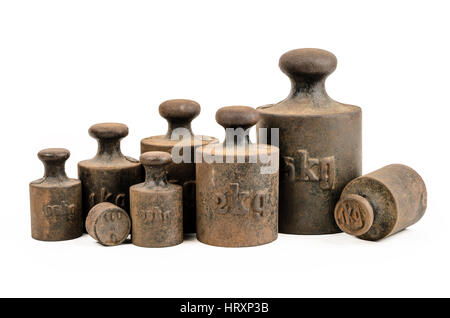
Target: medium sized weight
(156,205)
(381,203)
(108,176)
(55,200)
(237,188)
(180,140)
(108,224)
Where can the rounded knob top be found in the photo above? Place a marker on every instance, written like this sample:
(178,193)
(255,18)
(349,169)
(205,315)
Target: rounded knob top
(179,110)
(54,155)
(308,63)
(108,131)
(237,116)
(155,158)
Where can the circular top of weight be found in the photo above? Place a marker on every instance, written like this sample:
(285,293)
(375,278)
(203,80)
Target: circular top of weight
(308,63)
(108,131)
(53,154)
(307,69)
(111,225)
(237,117)
(179,110)
(354,214)
(155,158)
(179,114)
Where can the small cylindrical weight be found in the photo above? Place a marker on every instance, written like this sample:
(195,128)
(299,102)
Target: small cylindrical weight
(237,185)
(181,140)
(55,200)
(381,203)
(108,224)
(108,176)
(156,205)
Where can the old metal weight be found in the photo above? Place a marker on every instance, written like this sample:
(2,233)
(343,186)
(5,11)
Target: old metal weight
(108,224)
(179,113)
(319,140)
(55,200)
(108,176)
(237,200)
(156,205)
(381,203)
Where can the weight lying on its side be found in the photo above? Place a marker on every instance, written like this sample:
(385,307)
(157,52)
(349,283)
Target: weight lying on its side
(381,203)
(108,224)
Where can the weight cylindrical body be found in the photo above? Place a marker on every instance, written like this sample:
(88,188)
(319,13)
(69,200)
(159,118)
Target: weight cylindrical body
(55,200)
(108,176)
(382,203)
(156,205)
(237,200)
(179,113)
(108,224)
(320,144)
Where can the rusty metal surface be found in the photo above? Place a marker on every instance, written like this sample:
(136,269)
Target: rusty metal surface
(237,206)
(156,205)
(108,224)
(319,140)
(55,200)
(179,113)
(108,176)
(382,203)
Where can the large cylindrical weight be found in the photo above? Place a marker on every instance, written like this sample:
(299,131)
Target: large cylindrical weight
(237,192)
(319,140)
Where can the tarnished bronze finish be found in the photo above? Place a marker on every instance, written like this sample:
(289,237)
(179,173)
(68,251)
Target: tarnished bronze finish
(55,200)
(108,176)
(108,224)
(237,200)
(156,205)
(381,203)
(319,140)
(179,113)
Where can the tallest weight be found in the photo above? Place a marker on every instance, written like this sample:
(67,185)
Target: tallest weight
(320,144)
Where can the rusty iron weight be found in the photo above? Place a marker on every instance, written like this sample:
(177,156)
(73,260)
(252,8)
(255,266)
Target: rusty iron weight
(156,205)
(319,140)
(381,203)
(108,176)
(55,200)
(179,113)
(108,224)
(237,205)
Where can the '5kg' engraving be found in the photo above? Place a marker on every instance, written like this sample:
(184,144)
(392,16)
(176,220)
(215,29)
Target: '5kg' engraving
(303,168)
(241,202)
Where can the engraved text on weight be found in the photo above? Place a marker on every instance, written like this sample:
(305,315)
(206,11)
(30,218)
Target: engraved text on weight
(303,168)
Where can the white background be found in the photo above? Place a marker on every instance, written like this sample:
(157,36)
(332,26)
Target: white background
(65,65)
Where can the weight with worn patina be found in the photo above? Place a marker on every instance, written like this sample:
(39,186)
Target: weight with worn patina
(108,224)
(237,185)
(55,200)
(156,205)
(179,113)
(381,203)
(319,140)
(108,176)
